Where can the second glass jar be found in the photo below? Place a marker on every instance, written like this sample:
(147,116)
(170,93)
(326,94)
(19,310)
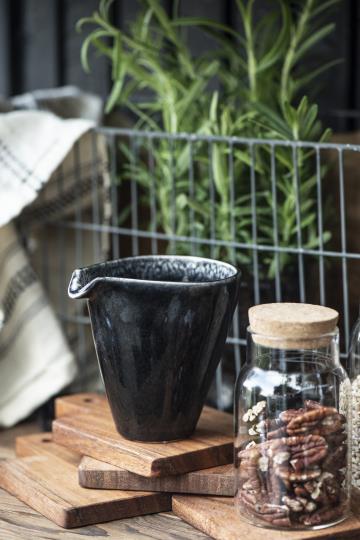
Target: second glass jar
(292,456)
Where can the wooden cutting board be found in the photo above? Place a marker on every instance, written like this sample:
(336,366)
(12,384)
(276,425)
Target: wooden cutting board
(218,481)
(91,431)
(41,444)
(97,474)
(217,517)
(47,481)
(81,404)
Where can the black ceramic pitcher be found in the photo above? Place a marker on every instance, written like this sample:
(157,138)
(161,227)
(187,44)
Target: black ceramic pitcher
(159,325)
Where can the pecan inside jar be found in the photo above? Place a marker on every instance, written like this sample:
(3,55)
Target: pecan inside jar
(293,475)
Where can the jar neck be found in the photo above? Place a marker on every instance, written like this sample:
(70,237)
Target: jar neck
(275,359)
(263,352)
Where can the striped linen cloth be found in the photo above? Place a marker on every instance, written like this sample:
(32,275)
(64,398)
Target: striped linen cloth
(35,359)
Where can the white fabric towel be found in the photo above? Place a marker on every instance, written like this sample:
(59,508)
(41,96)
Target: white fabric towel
(35,359)
(32,144)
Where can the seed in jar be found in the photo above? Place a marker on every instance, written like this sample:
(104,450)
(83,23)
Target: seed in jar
(328,421)
(319,483)
(316,493)
(254,411)
(281,457)
(310,506)
(296,476)
(355,392)
(263,463)
(260,406)
(326,475)
(294,504)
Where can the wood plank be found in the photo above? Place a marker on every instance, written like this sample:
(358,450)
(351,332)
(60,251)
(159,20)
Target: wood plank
(199,41)
(217,517)
(356,57)
(20,522)
(217,481)
(81,404)
(100,475)
(4,49)
(41,444)
(93,433)
(49,484)
(96,474)
(332,90)
(40,45)
(15,48)
(98,79)
(9,436)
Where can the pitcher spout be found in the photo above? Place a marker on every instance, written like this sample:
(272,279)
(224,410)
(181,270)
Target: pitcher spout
(85,281)
(82,284)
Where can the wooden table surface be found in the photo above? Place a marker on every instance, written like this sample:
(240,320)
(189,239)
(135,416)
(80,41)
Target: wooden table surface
(19,522)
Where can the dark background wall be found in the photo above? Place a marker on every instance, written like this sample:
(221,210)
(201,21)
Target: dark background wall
(39,48)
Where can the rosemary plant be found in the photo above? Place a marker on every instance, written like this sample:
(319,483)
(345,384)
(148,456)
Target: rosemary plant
(259,96)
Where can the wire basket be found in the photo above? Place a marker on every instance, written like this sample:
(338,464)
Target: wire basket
(285,212)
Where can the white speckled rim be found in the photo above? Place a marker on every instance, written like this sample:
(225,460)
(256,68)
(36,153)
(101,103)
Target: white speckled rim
(77,289)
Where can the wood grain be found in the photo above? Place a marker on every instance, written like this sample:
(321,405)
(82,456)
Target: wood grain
(93,433)
(217,518)
(5,59)
(98,78)
(48,483)
(39,44)
(217,481)
(20,522)
(100,475)
(96,474)
(41,444)
(86,402)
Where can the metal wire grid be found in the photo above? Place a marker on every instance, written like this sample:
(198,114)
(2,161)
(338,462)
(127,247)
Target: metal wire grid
(137,235)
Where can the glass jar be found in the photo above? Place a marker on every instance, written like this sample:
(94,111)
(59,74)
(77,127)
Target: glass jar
(354,373)
(292,400)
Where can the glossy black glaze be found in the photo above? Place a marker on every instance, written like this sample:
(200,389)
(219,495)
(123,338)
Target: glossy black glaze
(159,326)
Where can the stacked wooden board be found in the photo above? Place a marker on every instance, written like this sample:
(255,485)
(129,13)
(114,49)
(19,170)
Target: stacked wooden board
(93,433)
(46,479)
(51,476)
(84,472)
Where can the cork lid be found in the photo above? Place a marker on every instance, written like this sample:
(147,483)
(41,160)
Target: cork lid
(292,325)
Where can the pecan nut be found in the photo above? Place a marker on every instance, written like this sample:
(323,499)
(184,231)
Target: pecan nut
(325,515)
(304,450)
(311,416)
(294,474)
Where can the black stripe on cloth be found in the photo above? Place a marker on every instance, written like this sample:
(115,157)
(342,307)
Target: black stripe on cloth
(94,167)
(27,315)
(12,158)
(4,160)
(77,185)
(57,206)
(15,287)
